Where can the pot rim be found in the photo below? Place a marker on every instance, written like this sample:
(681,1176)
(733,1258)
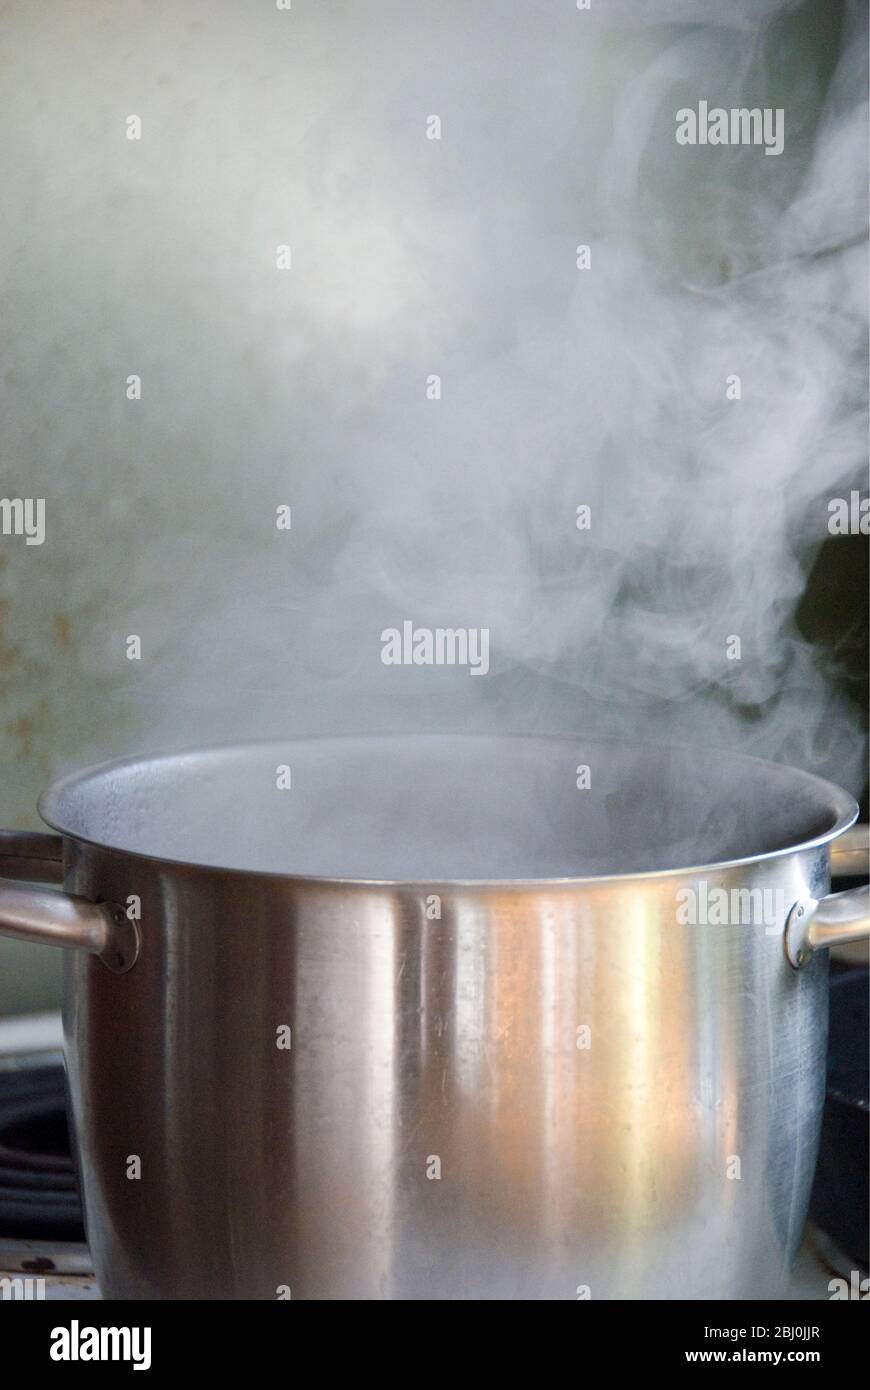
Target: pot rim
(844,806)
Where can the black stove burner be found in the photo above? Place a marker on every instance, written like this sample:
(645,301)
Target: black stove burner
(39,1196)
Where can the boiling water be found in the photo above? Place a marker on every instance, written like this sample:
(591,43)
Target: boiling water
(446,808)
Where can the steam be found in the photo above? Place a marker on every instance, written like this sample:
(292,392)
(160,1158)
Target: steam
(560,387)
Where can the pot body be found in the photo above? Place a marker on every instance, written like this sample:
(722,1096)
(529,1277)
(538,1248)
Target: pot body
(360,1091)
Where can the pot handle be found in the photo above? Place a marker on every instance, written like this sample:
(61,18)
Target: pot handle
(814,924)
(58,919)
(850,853)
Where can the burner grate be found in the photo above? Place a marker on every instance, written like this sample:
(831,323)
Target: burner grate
(39,1197)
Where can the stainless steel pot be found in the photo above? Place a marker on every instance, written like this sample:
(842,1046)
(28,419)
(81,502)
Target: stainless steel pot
(398,1018)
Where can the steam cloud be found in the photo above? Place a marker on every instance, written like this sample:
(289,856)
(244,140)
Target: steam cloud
(561,387)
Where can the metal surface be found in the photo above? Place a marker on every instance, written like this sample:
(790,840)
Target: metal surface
(491,1090)
(31,854)
(850,853)
(836,920)
(62,919)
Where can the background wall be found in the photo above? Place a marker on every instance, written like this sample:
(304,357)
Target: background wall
(410,256)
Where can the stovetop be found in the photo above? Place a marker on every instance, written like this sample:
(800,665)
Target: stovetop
(42,1238)
(39,1195)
